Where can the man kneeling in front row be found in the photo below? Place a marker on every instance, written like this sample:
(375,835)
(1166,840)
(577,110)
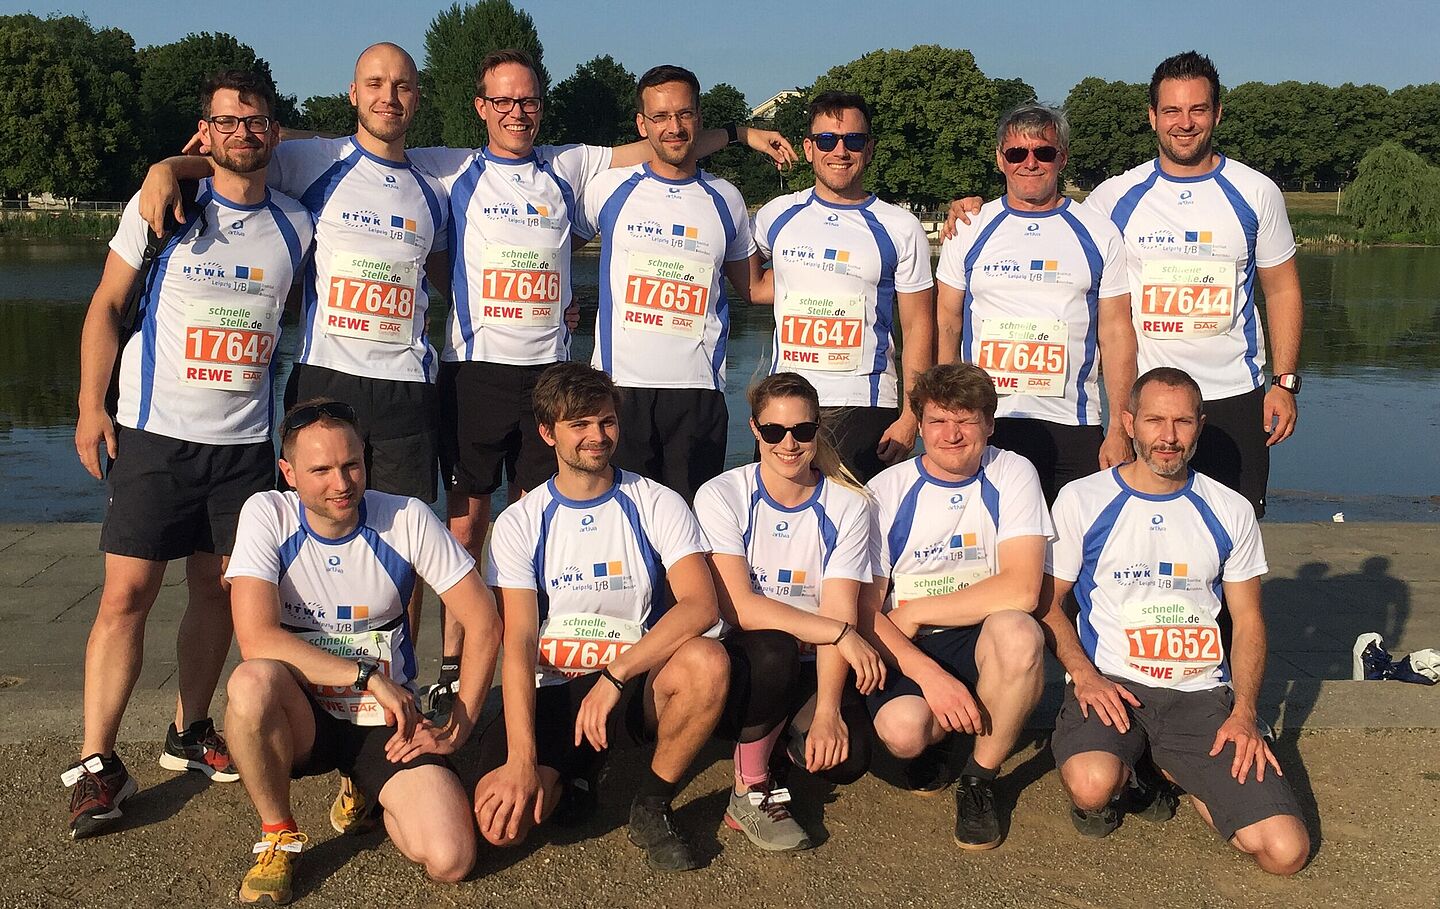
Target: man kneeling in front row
(605,590)
(1148,548)
(320,578)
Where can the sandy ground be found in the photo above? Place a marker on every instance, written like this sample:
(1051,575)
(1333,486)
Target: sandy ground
(186,843)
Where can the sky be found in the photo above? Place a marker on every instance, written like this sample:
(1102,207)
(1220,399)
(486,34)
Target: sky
(765,47)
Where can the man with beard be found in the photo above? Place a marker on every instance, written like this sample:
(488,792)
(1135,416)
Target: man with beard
(604,594)
(848,271)
(1158,557)
(190,440)
(1034,292)
(672,234)
(1200,228)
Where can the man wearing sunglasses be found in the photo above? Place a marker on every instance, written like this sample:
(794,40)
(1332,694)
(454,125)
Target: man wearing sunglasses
(1200,229)
(190,440)
(321,577)
(512,228)
(672,235)
(1034,291)
(848,271)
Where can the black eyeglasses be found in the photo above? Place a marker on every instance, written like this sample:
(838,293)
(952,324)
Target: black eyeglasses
(302,416)
(826,142)
(1043,153)
(506,105)
(226,124)
(774,433)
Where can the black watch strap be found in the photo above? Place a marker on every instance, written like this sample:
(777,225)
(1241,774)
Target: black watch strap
(1290,381)
(732,133)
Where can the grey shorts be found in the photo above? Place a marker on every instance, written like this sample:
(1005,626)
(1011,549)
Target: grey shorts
(1179,727)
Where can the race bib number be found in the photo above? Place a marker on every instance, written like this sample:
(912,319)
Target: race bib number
(1025,356)
(581,643)
(1186,298)
(228,345)
(667,294)
(371,298)
(819,331)
(520,286)
(344,702)
(1170,642)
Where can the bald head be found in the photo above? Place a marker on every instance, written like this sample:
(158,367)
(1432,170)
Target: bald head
(385,92)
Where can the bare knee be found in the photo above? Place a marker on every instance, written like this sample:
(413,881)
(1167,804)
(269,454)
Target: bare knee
(1013,643)
(450,863)
(1092,780)
(1279,844)
(252,688)
(700,665)
(905,733)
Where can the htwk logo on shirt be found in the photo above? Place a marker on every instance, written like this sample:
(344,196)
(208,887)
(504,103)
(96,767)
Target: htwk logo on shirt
(1158,240)
(611,576)
(1139,573)
(1004,268)
(645,229)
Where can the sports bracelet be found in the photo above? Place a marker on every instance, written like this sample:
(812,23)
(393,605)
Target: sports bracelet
(843,631)
(732,133)
(609,676)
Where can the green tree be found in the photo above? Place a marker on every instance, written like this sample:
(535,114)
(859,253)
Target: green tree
(1395,192)
(595,105)
(427,129)
(1011,93)
(457,40)
(1415,119)
(68,110)
(172,75)
(752,173)
(332,115)
(1109,130)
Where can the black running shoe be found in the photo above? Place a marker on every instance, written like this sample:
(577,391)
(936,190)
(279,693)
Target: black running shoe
(929,774)
(98,787)
(977,822)
(1150,796)
(652,828)
(200,748)
(1096,824)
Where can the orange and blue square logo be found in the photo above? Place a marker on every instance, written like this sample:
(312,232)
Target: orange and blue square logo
(1174,569)
(1049,268)
(1198,236)
(968,544)
(249,273)
(837,255)
(790,576)
(407,226)
(352,613)
(542,211)
(680,230)
(609,569)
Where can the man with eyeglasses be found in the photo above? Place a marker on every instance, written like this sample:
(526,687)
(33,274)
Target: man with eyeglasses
(849,272)
(672,235)
(512,229)
(959,553)
(190,439)
(1033,290)
(321,577)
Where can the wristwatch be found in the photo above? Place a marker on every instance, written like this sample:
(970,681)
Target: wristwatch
(1290,381)
(366,668)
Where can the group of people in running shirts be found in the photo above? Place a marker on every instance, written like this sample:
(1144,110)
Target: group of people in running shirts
(836,595)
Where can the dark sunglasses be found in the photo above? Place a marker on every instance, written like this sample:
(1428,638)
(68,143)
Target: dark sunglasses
(301,417)
(826,142)
(774,433)
(1043,153)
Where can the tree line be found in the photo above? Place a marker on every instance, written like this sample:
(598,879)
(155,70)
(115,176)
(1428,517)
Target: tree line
(83,111)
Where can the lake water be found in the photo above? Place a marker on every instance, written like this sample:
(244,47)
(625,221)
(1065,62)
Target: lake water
(1367,444)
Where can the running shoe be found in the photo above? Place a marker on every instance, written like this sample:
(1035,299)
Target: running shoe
(352,813)
(652,828)
(764,818)
(98,787)
(1095,824)
(200,748)
(929,774)
(977,821)
(1149,797)
(1371,662)
(439,700)
(269,880)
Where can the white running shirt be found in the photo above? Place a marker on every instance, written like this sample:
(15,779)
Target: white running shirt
(355,585)
(1148,572)
(597,566)
(1033,282)
(664,317)
(790,551)
(837,271)
(200,364)
(1194,245)
(936,536)
(511,225)
(366,291)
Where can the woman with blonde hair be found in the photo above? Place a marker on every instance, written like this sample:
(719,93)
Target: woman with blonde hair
(791,547)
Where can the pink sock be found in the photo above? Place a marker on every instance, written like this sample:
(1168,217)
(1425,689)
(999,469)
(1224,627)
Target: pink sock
(752,760)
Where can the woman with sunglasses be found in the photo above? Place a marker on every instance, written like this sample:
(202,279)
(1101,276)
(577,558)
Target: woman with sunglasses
(790,540)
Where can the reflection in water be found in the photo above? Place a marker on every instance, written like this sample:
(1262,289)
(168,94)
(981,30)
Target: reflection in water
(1371,346)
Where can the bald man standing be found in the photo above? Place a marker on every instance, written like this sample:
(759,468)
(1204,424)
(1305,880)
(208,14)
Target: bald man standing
(380,234)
